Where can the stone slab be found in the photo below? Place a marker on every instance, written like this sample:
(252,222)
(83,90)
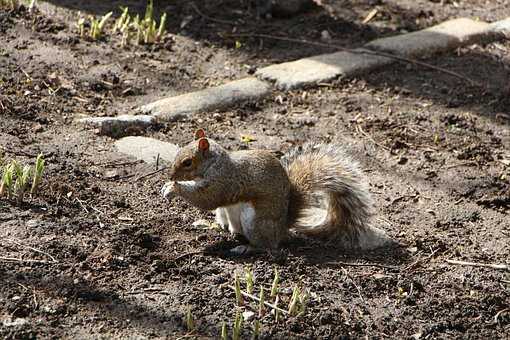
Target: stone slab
(116,126)
(321,68)
(147,149)
(223,96)
(440,38)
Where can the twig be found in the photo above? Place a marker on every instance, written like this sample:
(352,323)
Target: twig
(150,173)
(359,51)
(354,283)
(505,281)
(14,259)
(34,249)
(360,130)
(149,290)
(353,264)
(82,205)
(114,165)
(220,21)
(188,254)
(258,300)
(474,264)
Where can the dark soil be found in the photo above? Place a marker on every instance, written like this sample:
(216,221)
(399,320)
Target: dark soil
(129,264)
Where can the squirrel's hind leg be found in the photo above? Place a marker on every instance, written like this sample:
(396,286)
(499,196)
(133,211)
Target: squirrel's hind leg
(263,232)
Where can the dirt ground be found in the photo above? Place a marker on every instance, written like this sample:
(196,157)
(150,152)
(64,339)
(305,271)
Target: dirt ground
(129,265)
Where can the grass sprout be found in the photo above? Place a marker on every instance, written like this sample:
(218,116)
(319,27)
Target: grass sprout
(81,27)
(274,286)
(249,280)
(122,21)
(96,26)
(256,329)
(239,295)
(22,179)
(190,323)
(276,311)
(38,172)
(7,176)
(238,326)
(261,302)
(224,334)
(294,301)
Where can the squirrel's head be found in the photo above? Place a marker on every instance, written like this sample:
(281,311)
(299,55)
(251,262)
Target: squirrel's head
(191,160)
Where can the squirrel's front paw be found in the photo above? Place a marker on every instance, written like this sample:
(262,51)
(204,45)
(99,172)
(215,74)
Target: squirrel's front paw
(167,191)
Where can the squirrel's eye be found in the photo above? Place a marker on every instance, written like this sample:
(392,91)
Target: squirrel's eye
(187,162)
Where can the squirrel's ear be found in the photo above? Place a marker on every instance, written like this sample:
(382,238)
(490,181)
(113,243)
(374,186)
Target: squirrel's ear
(200,133)
(203,144)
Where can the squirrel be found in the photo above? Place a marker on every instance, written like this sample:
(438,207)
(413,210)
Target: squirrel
(315,190)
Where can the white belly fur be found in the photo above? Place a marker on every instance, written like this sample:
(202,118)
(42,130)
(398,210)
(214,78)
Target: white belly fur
(240,218)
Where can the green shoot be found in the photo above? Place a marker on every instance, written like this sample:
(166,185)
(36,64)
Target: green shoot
(161,29)
(6,185)
(275,310)
(149,10)
(238,325)
(190,323)
(294,301)
(249,280)
(39,168)
(81,27)
(274,287)
(31,6)
(224,334)
(122,20)
(256,329)
(261,302)
(21,182)
(303,301)
(96,26)
(239,295)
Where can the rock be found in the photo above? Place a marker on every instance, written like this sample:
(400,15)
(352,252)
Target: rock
(147,149)
(118,126)
(440,38)
(223,96)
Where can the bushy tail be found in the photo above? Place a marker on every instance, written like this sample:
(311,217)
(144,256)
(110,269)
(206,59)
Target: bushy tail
(329,197)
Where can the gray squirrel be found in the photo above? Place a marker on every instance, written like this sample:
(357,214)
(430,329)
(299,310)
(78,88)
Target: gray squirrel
(315,190)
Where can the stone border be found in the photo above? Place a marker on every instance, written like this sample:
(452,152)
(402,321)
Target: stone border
(308,72)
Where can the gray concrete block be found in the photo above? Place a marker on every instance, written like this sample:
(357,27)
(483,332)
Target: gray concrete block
(440,38)
(116,126)
(147,149)
(322,68)
(223,96)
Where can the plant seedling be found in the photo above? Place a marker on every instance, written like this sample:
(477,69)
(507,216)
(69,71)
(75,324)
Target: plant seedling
(238,325)
(81,27)
(239,295)
(96,27)
(6,185)
(190,323)
(21,183)
(39,169)
(261,302)
(224,334)
(256,329)
(294,301)
(249,280)
(274,287)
